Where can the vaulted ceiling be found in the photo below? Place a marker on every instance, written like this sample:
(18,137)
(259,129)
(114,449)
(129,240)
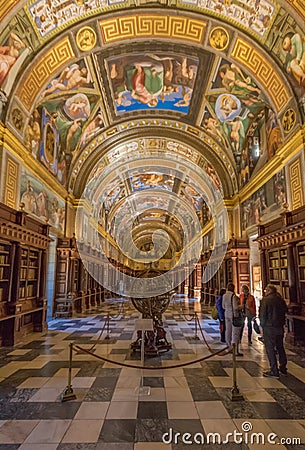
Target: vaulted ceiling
(182,97)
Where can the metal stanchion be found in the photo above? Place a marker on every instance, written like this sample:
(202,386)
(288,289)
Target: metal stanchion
(196,337)
(108,331)
(236,395)
(68,393)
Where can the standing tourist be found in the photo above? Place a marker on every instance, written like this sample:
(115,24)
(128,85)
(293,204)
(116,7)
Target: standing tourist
(272,319)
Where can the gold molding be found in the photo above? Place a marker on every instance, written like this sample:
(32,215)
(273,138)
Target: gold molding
(147,25)
(296,183)
(48,64)
(6,6)
(11,181)
(251,58)
(299,6)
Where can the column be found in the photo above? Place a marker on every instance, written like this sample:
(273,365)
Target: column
(264,269)
(292,278)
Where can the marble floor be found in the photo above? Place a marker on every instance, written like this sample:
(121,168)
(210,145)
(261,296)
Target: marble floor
(156,408)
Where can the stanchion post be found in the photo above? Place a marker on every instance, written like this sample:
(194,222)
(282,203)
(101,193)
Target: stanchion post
(236,395)
(68,393)
(108,332)
(196,337)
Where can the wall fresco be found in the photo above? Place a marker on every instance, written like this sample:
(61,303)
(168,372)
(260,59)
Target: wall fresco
(146,81)
(41,202)
(265,201)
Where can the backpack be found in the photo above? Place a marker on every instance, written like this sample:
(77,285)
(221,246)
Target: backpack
(214,313)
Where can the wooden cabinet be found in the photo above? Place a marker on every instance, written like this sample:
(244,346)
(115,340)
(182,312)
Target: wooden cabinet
(5,275)
(278,271)
(76,288)
(300,254)
(23,246)
(235,268)
(282,248)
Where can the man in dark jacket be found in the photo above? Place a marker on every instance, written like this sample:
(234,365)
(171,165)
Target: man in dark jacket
(272,319)
(221,315)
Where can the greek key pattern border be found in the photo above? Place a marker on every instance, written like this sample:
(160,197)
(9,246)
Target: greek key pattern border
(11,182)
(296,184)
(262,69)
(148,25)
(55,58)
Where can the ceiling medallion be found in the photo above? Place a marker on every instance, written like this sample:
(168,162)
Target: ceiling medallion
(288,120)
(219,38)
(86,39)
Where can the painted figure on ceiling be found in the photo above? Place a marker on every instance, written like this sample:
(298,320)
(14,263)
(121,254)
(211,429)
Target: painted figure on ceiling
(9,55)
(145,81)
(63,120)
(294,46)
(227,107)
(212,126)
(152,81)
(92,129)
(33,133)
(234,80)
(70,78)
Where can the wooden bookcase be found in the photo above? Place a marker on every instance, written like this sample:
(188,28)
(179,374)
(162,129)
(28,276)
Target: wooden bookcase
(235,268)
(23,254)
(76,289)
(282,248)
(278,271)
(301,269)
(5,275)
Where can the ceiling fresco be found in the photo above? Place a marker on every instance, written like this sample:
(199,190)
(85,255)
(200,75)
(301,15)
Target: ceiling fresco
(221,83)
(239,117)
(160,81)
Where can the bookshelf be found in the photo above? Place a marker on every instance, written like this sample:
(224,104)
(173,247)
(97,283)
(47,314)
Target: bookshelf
(22,275)
(75,288)
(301,269)
(278,271)
(5,273)
(29,274)
(282,248)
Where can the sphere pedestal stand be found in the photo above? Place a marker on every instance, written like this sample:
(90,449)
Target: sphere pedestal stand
(144,325)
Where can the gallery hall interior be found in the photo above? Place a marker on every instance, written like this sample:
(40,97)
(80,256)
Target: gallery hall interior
(152,224)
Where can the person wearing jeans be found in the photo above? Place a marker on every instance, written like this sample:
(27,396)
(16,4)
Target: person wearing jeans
(249,308)
(221,315)
(231,305)
(272,319)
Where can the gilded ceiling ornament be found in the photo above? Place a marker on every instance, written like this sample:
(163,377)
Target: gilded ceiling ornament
(86,39)
(288,120)
(17,119)
(219,38)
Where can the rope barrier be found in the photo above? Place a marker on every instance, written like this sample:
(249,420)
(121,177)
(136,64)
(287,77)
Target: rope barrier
(101,333)
(180,311)
(69,394)
(132,366)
